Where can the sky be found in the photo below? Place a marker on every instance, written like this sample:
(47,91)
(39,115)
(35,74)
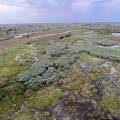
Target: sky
(59,11)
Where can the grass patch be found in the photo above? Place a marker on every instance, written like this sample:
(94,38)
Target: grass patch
(10,105)
(118,74)
(111,104)
(85,58)
(40,49)
(8,55)
(10,73)
(73,74)
(74,85)
(45,98)
(94,76)
(18,48)
(25,115)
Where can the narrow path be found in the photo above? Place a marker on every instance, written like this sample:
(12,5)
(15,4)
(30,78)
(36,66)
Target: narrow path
(25,34)
(52,34)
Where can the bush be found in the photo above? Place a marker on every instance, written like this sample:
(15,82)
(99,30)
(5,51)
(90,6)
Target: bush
(41,73)
(65,61)
(56,50)
(46,71)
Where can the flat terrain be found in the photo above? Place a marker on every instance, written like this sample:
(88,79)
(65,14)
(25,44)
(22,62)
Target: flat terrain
(59,72)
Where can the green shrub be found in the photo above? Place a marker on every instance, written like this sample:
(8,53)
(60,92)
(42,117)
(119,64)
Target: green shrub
(46,71)
(57,50)
(41,73)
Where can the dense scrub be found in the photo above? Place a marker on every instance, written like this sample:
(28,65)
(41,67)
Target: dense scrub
(46,71)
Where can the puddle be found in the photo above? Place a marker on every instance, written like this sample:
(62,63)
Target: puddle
(116,34)
(112,46)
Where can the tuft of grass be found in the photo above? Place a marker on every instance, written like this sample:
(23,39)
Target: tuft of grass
(111,104)
(74,85)
(94,76)
(74,74)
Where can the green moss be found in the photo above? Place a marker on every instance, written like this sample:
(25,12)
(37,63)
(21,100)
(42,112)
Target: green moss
(6,59)
(98,72)
(18,48)
(118,74)
(24,115)
(8,68)
(104,71)
(85,58)
(73,74)
(8,106)
(45,98)
(111,104)
(94,77)
(9,73)
(74,85)
(4,71)
(8,55)
(29,114)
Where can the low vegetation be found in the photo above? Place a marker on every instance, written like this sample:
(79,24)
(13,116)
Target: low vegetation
(73,77)
(45,98)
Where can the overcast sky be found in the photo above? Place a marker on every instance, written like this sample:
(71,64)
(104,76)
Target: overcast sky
(59,11)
